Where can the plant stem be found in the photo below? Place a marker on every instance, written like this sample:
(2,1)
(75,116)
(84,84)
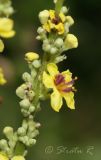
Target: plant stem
(58,5)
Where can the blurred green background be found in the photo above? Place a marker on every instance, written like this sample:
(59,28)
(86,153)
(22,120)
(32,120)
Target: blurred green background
(74,132)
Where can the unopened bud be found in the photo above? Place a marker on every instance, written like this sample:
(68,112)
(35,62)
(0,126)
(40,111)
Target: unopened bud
(59,42)
(37,63)
(25,103)
(31,56)
(43,16)
(8,131)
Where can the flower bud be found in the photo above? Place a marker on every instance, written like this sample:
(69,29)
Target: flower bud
(43,16)
(69,20)
(60,58)
(38,38)
(59,42)
(21,131)
(53,50)
(32,109)
(36,63)
(71,41)
(18,158)
(27,77)
(3,144)
(32,142)
(64,10)
(46,47)
(31,56)
(20,91)
(25,103)
(40,30)
(25,112)
(8,131)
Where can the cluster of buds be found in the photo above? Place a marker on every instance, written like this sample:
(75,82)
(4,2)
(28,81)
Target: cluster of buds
(27,91)
(6,8)
(28,132)
(54,32)
(7,146)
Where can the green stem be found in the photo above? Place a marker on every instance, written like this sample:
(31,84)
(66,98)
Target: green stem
(58,5)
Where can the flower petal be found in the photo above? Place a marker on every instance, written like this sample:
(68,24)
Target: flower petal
(68,75)
(47,80)
(7,34)
(56,100)
(52,14)
(60,28)
(1,46)
(52,69)
(69,97)
(6,24)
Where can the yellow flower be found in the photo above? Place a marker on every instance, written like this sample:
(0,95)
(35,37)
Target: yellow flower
(2,79)
(6,28)
(18,158)
(55,22)
(3,156)
(1,46)
(62,85)
(31,56)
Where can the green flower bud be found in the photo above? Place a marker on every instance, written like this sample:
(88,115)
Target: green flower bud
(27,77)
(70,20)
(32,109)
(32,142)
(3,144)
(46,41)
(21,131)
(46,47)
(53,50)
(43,16)
(25,103)
(20,91)
(40,30)
(34,133)
(60,58)
(8,131)
(59,42)
(25,139)
(37,125)
(38,38)
(36,63)
(25,112)
(64,10)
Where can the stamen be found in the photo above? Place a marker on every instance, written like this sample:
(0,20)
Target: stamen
(59,79)
(69,89)
(56,20)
